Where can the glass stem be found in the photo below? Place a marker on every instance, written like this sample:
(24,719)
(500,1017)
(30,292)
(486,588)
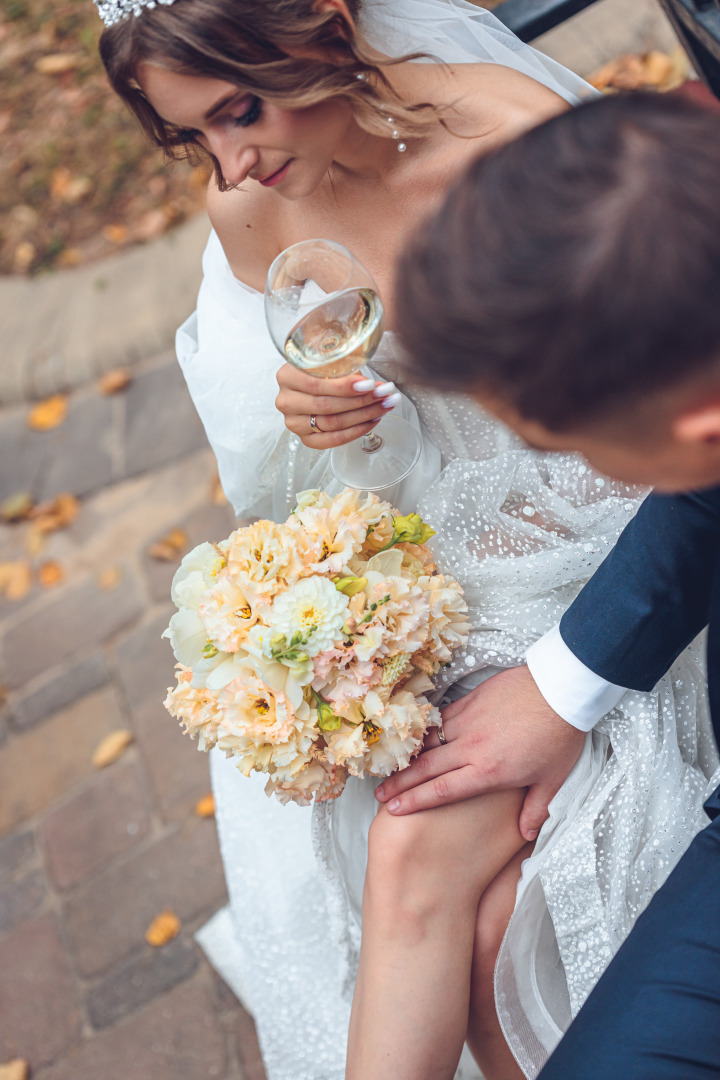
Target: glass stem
(371,443)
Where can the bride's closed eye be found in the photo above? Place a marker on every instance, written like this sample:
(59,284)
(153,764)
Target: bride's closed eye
(251,114)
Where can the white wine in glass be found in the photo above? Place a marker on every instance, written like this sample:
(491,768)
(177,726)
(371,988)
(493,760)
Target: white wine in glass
(339,336)
(326,317)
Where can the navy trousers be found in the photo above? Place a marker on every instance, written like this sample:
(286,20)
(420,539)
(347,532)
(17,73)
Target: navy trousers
(655,1013)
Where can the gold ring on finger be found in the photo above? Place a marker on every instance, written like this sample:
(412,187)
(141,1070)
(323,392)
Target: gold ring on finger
(314,425)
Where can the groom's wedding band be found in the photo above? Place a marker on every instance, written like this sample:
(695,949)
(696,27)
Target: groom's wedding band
(314,425)
(441,733)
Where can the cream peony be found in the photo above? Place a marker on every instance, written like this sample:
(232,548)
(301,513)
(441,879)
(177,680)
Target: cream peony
(196,709)
(266,556)
(198,571)
(448,626)
(312,609)
(227,613)
(319,780)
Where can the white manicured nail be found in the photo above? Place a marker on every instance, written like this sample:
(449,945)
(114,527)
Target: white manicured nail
(384,389)
(362,386)
(392,401)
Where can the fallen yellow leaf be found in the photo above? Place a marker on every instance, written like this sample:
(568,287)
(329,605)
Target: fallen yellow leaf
(114,381)
(163,928)
(111,747)
(205,807)
(15,579)
(58,63)
(48,414)
(23,256)
(17,1069)
(170,546)
(17,506)
(115,234)
(56,514)
(110,578)
(35,540)
(50,574)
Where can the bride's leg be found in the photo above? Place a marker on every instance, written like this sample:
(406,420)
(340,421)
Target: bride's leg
(484,1036)
(426,873)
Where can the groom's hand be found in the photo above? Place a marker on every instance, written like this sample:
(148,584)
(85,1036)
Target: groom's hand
(501,735)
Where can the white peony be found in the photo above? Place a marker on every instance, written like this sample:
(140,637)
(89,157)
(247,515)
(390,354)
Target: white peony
(198,571)
(315,610)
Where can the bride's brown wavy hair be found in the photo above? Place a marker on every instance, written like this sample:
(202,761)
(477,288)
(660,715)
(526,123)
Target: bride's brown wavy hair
(291,51)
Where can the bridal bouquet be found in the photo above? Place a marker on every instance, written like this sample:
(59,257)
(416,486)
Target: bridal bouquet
(305,649)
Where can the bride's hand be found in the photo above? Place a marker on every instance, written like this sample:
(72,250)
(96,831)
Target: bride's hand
(343,409)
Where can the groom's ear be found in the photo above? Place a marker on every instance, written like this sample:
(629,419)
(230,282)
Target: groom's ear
(699,425)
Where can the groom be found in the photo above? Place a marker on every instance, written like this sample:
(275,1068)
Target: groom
(572,283)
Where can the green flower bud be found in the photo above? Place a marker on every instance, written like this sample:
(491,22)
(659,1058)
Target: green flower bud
(411,529)
(350,585)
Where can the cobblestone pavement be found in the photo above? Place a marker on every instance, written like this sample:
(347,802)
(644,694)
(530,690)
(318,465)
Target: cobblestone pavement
(88,857)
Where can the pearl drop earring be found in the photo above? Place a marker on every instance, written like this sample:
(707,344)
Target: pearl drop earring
(396,135)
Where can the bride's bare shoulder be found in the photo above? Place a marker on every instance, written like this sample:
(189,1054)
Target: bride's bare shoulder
(242,220)
(499,97)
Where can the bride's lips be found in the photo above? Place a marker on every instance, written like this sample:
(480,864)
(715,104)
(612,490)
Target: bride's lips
(276,177)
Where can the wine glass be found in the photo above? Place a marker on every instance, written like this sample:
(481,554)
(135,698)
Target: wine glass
(325,316)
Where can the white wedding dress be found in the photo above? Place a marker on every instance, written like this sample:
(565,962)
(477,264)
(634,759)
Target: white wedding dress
(521,531)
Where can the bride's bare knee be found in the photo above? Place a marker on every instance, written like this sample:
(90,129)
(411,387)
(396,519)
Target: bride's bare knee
(407,876)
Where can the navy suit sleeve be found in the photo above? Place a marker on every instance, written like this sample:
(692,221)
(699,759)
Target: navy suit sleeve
(651,595)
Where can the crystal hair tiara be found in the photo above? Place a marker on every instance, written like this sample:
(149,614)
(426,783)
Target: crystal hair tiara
(114,11)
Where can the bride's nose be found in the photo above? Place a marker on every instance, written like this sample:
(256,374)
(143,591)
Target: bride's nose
(235,159)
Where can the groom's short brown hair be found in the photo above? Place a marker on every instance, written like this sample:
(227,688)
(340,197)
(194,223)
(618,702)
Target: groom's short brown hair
(576,269)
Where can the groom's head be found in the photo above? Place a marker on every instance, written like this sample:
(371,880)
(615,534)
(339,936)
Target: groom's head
(571,283)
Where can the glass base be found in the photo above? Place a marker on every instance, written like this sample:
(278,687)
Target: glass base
(365,466)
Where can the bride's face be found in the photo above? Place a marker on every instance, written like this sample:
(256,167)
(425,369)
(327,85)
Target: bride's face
(287,149)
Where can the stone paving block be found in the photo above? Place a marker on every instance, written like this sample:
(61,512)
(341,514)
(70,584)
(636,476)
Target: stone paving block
(180,773)
(86,833)
(21,899)
(161,422)
(58,689)
(248,1048)
(16,851)
(23,454)
(210,522)
(45,762)
(141,980)
(178,1037)
(81,458)
(66,623)
(40,1017)
(107,920)
(145,660)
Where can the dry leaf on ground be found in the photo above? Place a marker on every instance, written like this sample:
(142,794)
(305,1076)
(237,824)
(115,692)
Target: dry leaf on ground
(216,492)
(50,574)
(634,71)
(55,514)
(48,414)
(114,381)
(15,579)
(115,234)
(205,807)
(169,547)
(163,928)
(111,747)
(17,506)
(58,63)
(17,1069)
(109,578)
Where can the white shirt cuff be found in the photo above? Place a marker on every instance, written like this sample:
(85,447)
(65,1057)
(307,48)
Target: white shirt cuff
(570,688)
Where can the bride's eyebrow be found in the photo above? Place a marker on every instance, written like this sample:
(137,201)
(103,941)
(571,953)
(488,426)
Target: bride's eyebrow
(223,102)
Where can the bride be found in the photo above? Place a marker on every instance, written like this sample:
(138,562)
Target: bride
(315,131)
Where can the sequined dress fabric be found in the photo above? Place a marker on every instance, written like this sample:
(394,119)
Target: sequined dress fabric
(521,531)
